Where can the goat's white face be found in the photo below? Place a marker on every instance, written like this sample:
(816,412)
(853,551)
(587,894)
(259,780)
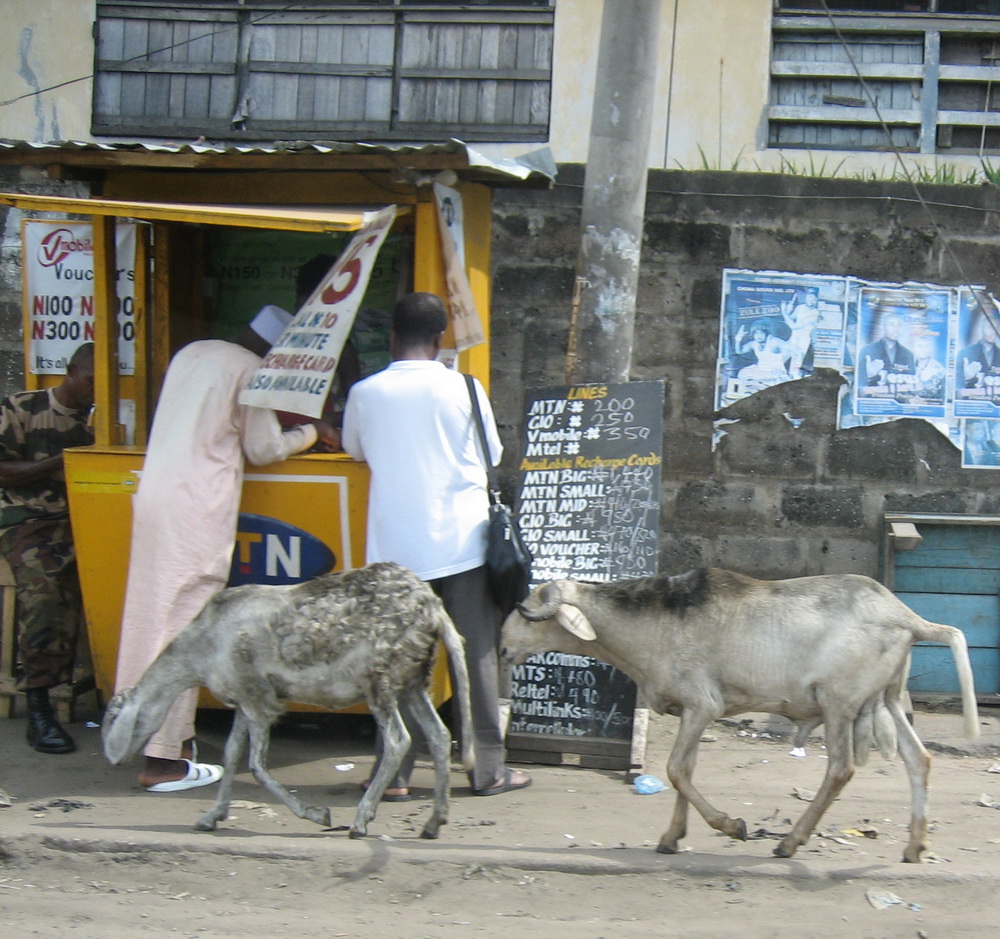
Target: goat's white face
(544,623)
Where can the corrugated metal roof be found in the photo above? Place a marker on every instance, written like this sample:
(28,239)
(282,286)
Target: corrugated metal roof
(532,169)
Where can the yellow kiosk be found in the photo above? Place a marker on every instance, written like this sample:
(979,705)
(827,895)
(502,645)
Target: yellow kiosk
(306,500)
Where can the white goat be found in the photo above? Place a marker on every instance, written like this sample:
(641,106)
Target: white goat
(712,643)
(363,635)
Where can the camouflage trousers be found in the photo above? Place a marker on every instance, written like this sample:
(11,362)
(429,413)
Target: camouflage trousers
(49,607)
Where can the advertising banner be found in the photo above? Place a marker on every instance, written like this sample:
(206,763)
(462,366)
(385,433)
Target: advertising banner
(59,292)
(465,321)
(297,373)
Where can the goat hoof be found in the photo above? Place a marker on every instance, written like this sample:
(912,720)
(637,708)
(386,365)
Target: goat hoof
(430,833)
(786,847)
(912,855)
(735,828)
(356,833)
(320,816)
(666,847)
(205,824)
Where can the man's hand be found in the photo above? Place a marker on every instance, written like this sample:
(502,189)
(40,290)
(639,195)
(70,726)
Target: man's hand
(329,437)
(873,367)
(971,369)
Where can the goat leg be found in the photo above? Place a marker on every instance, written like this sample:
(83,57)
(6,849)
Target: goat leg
(235,748)
(680,768)
(260,736)
(395,743)
(839,770)
(439,743)
(918,766)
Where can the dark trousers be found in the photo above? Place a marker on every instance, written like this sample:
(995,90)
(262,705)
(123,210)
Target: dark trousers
(41,556)
(466,597)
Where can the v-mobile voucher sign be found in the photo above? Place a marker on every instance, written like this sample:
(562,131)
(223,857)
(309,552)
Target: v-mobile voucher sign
(297,373)
(59,292)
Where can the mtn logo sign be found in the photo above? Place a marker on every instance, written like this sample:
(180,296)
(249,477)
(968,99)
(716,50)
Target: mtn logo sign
(269,551)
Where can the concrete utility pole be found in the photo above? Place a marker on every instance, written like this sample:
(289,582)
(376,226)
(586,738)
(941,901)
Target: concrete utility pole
(614,198)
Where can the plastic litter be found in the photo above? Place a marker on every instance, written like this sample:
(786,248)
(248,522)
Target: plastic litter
(646,785)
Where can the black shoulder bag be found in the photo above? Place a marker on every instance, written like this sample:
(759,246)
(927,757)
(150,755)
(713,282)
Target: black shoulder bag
(508,560)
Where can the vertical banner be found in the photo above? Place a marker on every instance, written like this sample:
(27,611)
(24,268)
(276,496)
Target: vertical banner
(297,372)
(465,321)
(59,292)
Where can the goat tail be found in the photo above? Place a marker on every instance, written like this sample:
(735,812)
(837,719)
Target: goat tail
(455,646)
(955,638)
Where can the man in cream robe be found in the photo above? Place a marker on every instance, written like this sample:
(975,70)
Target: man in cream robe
(185,515)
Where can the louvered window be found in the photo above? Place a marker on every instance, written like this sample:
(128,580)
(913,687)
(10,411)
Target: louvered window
(918,76)
(318,70)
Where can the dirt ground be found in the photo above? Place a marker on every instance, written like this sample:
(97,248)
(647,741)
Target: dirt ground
(573,855)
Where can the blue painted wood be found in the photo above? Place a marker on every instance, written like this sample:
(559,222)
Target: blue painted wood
(953,577)
(959,546)
(933,670)
(945,579)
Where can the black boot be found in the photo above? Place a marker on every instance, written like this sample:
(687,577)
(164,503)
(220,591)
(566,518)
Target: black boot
(45,733)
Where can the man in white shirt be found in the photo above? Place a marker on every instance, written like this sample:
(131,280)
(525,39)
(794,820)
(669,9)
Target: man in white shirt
(428,506)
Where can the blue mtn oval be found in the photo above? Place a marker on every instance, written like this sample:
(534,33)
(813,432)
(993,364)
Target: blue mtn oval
(269,551)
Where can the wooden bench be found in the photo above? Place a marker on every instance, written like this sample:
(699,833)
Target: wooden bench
(63,696)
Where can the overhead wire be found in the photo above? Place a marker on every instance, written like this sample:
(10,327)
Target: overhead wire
(151,52)
(991,315)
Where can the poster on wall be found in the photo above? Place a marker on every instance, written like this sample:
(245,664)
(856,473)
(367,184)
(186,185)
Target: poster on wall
(59,292)
(976,367)
(902,348)
(777,327)
(906,350)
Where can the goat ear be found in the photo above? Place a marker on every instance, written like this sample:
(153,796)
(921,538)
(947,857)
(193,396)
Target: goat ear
(573,621)
(118,728)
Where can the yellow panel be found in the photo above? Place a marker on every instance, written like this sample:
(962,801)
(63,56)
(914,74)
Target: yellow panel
(325,495)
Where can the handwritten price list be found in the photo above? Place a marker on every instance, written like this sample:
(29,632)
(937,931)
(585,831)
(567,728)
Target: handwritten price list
(588,504)
(589,496)
(571,696)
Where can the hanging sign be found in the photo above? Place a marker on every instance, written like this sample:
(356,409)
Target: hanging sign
(465,321)
(59,292)
(296,374)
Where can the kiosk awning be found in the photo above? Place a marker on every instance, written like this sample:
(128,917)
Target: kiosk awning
(286,218)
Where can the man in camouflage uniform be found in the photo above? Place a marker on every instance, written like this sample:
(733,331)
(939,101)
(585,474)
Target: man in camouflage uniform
(35,536)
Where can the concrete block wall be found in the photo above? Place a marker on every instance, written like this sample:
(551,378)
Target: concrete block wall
(784,493)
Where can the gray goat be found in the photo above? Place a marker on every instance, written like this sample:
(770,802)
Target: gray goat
(712,643)
(368,634)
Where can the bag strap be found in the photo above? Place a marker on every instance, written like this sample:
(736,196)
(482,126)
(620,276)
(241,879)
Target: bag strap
(478,415)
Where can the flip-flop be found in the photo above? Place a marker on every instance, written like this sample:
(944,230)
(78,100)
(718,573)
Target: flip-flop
(198,774)
(506,786)
(386,797)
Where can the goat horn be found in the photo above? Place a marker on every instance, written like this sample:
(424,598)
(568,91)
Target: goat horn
(549,607)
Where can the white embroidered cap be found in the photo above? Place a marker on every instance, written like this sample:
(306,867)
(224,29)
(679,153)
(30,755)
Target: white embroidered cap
(270,323)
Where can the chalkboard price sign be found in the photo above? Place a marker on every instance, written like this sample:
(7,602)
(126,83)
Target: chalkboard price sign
(588,504)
